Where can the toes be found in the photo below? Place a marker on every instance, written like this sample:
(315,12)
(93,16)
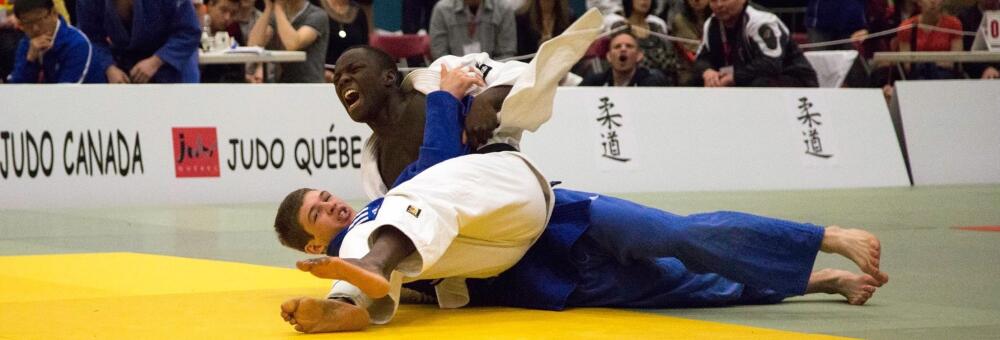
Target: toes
(870,280)
(289,307)
(882,277)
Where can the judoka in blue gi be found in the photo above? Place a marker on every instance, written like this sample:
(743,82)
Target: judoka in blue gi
(52,51)
(143,41)
(595,251)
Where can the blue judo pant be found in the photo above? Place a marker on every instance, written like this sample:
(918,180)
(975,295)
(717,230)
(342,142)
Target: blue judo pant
(636,256)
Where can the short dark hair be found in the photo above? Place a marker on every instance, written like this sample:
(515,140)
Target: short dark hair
(382,59)
(25,6)
(626,31)
(286,221)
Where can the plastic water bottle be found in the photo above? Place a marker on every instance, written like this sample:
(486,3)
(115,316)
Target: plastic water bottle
(206,33)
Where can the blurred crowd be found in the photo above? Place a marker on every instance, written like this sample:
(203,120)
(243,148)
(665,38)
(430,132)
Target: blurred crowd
(710,43)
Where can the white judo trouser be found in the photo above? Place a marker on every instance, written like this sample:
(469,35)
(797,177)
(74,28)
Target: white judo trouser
(474,216)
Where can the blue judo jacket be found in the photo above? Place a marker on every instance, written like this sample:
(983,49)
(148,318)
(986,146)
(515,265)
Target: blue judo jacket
(70,60)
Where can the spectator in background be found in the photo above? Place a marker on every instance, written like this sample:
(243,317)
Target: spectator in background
(540,20)
(744,46)
(667,9)
(293,25)
(143,41)
(416,15)
(880,15)
(659,54)
(460,27)
(348,27)
(927,39)
(624,56)
(222,17)
(10,35)
(245,18)
(52,51)
(971,18)
(689,23)
(835,20)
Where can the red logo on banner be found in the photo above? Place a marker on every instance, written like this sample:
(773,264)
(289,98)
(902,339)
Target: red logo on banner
(196,152)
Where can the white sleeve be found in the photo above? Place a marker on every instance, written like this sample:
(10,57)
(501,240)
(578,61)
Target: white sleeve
(529,103)
(495,73)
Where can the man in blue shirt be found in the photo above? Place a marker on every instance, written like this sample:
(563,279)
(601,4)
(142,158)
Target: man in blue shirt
(53,51)
(143,41)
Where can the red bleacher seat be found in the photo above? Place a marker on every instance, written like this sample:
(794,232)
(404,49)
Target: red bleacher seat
(402,46)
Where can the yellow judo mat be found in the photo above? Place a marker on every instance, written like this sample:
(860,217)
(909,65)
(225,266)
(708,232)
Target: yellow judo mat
(140,296)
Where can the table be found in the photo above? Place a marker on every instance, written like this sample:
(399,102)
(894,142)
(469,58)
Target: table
(267,56)
(952,56)
(929,57)
(264,57)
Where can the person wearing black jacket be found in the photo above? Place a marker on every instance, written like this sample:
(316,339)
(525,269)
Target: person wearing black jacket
(744,46)
(624,56)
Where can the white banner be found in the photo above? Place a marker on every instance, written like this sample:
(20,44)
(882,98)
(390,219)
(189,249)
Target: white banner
(85,146)
(683,139)
(952,130)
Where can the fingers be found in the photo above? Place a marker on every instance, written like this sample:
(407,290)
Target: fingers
(117,76)
(305,265)
(459,80)
(138,75)
(478,80)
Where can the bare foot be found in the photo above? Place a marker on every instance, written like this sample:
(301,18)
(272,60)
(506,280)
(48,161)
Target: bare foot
(369,278)
(310,315)
(857,288)
(858,245)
